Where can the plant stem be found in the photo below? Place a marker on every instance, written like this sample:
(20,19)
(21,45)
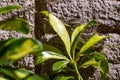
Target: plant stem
(77,72)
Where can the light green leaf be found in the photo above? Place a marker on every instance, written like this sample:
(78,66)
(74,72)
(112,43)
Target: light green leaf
(45,55)
(16,24)
(104,67)
(51,48)
(91,62)
(21,73)
(18,49)
(58,66)
(60,29)
(45,12)
(34,77)
(64,78)
(91,42)
(75,37)
(9,8)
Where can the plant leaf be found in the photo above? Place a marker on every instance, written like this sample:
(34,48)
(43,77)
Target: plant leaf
(7,72)
(75,37)
(91,42)
(9,8)
(16,24)
(51,48)
(58,66)
(104,67)
(2,78)
(64,78)
(45,55)
(34,77)
(18,49)
(60,29)
(91,62)
(21,73)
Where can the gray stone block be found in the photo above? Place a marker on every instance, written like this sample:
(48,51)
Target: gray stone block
(76,12)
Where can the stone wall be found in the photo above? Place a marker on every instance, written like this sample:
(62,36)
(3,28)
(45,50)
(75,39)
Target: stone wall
(75,12)
(27,12)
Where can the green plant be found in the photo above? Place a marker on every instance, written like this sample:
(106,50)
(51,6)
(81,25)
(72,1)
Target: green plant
(75,59)
(13,49)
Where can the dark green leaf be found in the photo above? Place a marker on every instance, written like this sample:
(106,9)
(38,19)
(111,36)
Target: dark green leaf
(51,48)
(58,66)
(45,55)
(104,67)
(16,24)
(34,77)
(9,8)
(8,72)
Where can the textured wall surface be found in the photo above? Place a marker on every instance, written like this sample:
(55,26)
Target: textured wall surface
(74,12)
(27,12)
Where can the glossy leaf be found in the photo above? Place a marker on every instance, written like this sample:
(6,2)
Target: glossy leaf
(21,73)
(75,37)
(104,66)
(18,48)
(64,78)
(58,66)
(45,55)
(91,42)
(16,24)
(9,8)
(60,29)
(91,62)
(51,48)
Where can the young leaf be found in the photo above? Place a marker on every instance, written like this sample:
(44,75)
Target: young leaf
(9,8)
(18,49)
(91,42)
(16,24)
(58,66)
(75,37)
(91,62)
(60,29)
(45,55)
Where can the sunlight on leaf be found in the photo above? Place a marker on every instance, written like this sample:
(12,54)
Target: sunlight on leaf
(60,29)
(58,66)
(45,55)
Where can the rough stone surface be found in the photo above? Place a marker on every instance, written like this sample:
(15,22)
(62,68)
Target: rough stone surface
(27,12)
(75,12)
